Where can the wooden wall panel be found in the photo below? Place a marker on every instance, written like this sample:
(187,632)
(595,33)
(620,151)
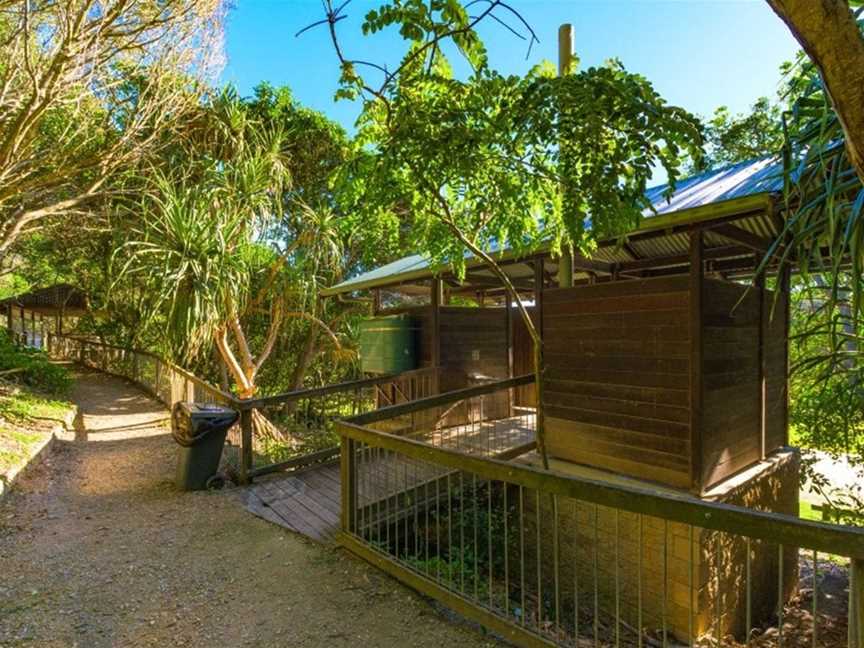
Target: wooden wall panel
(776,367)
(731,422)
(617,377)
(523,358)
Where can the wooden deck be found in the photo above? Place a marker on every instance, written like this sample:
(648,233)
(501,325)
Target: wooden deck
(309,501)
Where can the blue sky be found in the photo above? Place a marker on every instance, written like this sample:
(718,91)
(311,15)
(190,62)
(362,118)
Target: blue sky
(699,54)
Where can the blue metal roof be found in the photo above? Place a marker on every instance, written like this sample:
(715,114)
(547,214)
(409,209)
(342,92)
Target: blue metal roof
(736,181)
(748,178)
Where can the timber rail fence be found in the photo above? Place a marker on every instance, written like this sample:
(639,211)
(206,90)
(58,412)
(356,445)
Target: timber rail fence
(544,558)
(306,413)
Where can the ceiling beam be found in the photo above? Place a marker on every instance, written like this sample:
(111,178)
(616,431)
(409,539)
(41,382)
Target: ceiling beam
(742,236)
(683,259)
(592,265)
(492,282)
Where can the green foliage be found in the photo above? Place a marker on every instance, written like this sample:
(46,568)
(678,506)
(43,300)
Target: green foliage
(200,256)
(195,247)
(447,165)
(31,367)
(823,194)
(614,130)
(732,138)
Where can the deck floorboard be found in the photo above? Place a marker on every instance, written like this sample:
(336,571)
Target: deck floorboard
(308,501)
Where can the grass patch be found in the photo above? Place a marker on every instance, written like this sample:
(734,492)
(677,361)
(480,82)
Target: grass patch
(807,512)
(16,446)
(19,406)
(26,420)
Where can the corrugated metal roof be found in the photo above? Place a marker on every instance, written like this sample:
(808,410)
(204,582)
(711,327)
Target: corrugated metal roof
(745,179)
(717,185)
(58,296)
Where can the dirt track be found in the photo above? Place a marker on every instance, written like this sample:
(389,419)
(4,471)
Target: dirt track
(97,549)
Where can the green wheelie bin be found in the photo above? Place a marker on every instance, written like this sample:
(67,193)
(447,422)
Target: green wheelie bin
(199,430)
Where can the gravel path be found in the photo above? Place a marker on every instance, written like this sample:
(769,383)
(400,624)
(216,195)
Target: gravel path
(97,549)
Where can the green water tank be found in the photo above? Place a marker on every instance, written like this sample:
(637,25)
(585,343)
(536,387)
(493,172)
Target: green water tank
(388,344)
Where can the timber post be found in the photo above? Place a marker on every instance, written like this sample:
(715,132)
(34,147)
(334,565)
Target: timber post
(508,314)
(348,471)
(761,363)
(856,603)
(435,300)
(565,61)
(245,445)
(695,297)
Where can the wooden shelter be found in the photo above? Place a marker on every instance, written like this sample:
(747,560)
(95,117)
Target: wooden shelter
(665,365)
(31,316)
(664,359)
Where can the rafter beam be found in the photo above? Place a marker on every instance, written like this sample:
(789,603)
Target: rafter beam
(742,236)
(492,282)
(592,265)
(683,259)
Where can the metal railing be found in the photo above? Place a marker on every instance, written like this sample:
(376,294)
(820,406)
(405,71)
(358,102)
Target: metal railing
(454,509)
(299,428)
(294,429)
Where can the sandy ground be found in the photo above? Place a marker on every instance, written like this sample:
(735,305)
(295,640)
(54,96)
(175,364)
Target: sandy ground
(97,548)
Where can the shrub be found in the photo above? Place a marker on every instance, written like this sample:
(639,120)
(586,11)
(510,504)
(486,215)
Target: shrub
(31,367)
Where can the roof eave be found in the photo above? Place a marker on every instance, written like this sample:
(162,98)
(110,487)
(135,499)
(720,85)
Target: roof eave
(724,209)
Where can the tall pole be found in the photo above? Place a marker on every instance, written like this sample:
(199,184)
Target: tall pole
(565,60)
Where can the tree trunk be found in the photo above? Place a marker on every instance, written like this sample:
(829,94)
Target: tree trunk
(829,34)
(304,359)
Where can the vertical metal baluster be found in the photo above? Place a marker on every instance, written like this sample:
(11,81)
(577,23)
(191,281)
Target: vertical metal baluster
(596,578)
(387,498)
(397,505)
(462,531)
(556,550)
(416,487)
(639,585)
(617,580)
(407,498)
(780,596)
(363,496)
(378,497)
(476,506)
(575,572)
(506,554)
(665,581)
(426,528)
(539,560)
(815,596)
(522,551)
(691,626)
(717,593)
(437,529)
(358,455)
(450,578)
(489,535)
(749,596)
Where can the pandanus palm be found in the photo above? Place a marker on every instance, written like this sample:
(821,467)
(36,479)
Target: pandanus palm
(201,247)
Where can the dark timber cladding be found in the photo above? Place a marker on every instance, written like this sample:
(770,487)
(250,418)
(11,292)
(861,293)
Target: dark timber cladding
(660,379)
(617,377)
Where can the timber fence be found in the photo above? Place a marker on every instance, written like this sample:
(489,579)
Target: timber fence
(439,494)
(283,432)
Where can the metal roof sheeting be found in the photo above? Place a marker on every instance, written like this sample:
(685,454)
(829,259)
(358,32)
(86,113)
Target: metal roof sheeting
(746,179)
(735,181)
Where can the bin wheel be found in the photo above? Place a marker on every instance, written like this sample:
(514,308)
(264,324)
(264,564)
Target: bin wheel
(216,482)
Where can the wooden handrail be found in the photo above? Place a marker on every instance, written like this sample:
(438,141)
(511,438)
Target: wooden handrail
(441,399)
(350,385)
(266,401)
(773,527)
(215,391)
